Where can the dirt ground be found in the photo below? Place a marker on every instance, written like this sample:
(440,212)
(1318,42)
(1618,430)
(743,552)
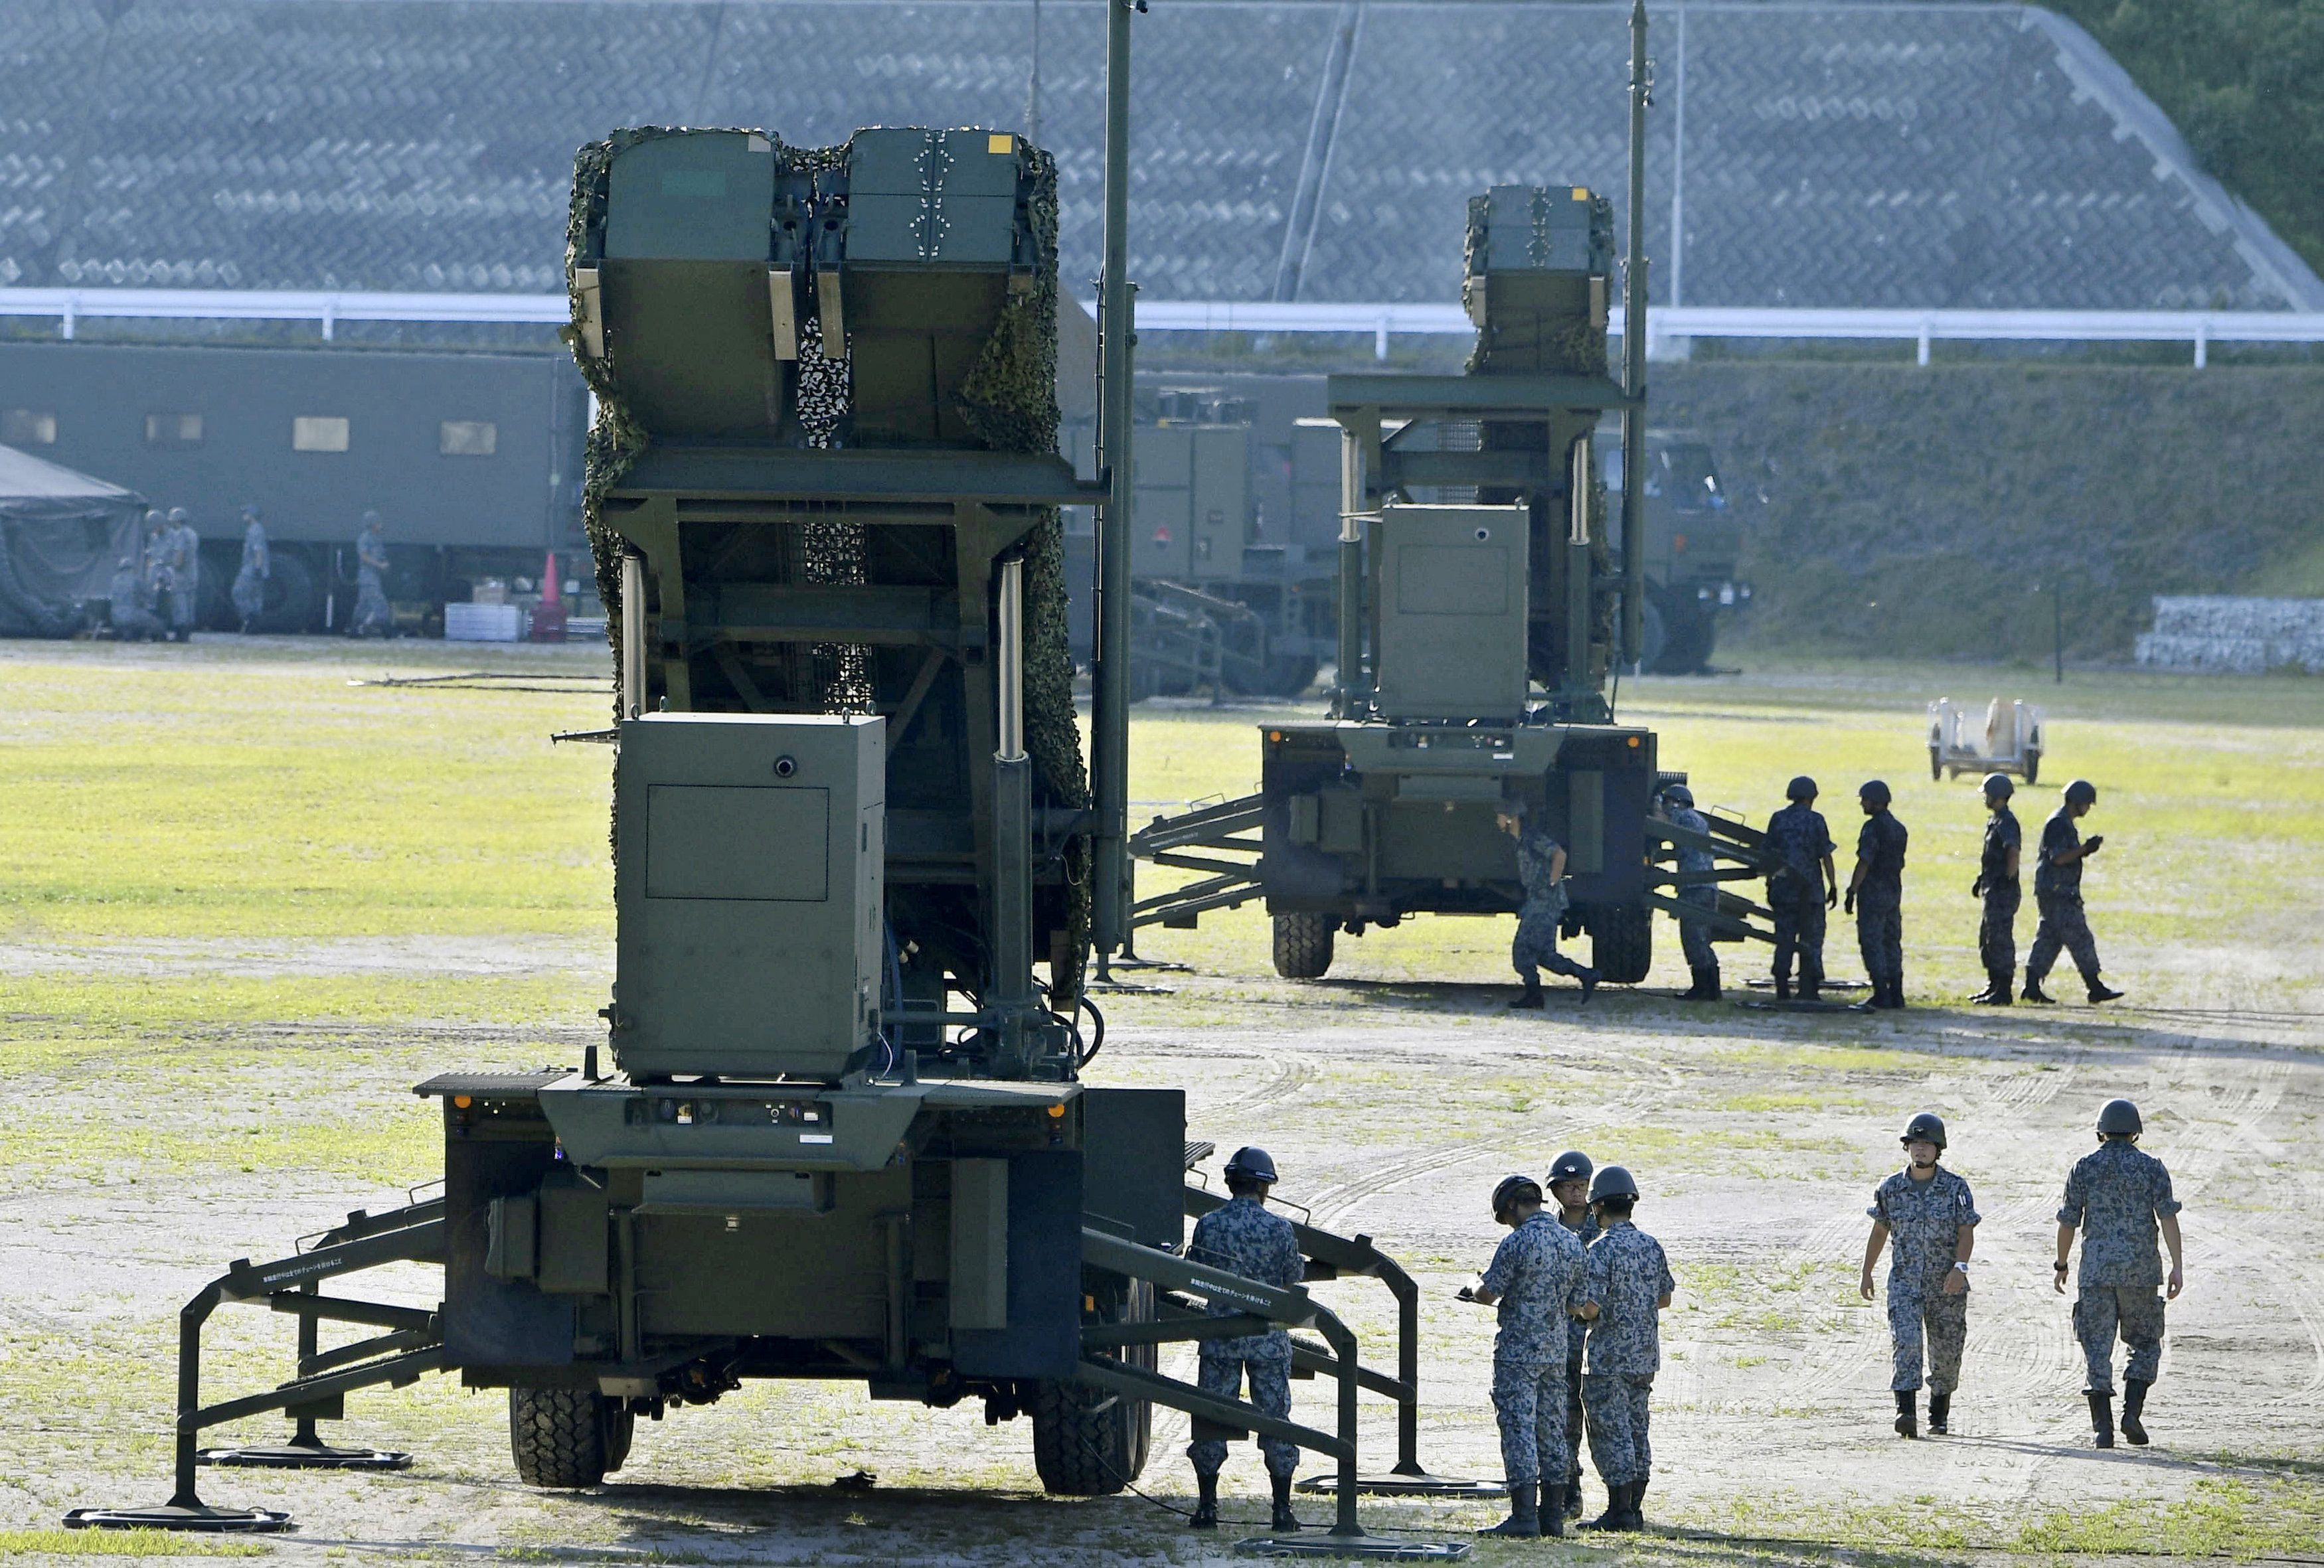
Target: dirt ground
(148,1152)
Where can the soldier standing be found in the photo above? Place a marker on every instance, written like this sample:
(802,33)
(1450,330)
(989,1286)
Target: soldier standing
(1569,1184)
(257,565)
(2057,895)
(1803,888)
(1876,896)
(1536,1281)
(371,618)
(132,620)
(1694,933)
(1243,1238)
(1541,872)
(1930,1216)
(2119,1198)
(155,565)
(183,549)
(1626,1284)
(1997,884)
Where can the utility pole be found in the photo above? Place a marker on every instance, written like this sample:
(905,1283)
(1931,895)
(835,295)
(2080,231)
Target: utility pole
(1110,689)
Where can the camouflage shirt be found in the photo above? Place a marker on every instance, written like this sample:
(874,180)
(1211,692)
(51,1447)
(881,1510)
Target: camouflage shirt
(1537,1272)
(1688,858)
(2115,1196)
(1880,845)
(2051,880)
(1797,833)
(1626,1275)
(1924,1221)
(1244,1239)
(1585,1230)
(2001,837)
(1543,896)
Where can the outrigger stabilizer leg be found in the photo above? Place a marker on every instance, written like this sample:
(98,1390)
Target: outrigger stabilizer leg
(411,1347)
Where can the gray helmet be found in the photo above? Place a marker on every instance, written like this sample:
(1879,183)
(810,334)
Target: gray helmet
(1800,789)
(1571,1166)
(155,517)
(180,515)
(1613,1182)
(371,520)
(1514,1190)
(1251,1164)
(1999,784)
(250,511)
(2118,1118)
(1875,790)
(1927,1126)
(2082,792)
(1678,794)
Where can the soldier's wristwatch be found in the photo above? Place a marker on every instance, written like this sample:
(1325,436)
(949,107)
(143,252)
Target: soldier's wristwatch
(1961,1265)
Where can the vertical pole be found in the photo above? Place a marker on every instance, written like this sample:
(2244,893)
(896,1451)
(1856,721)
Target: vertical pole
(633,635)
(1110,694)
(1634,356)
(302,1432)
(1678,168)
(1012,801)
(1347,702)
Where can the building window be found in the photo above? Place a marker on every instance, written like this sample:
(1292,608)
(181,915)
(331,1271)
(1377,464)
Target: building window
(28,427)
(317,433)
(467,438)
(174,429)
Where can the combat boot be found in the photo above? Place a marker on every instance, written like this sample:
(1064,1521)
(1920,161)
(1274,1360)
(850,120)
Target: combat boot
(1529,997)
(1285,1522)
(1589,979)
(2102,1417)
(1206,1516)
(2101,992)
(1997,991)
(1782,988)
(1525,1514)
(1940,1407)
(1810,987)
(1908,1422)
(1553,1511)
(1637,1500)
(1692,992)
(1617,1506)
(2133,1405)
(1894,1001)
(1573,1494)
(2033,991)
(1875,1001)
(1710,983)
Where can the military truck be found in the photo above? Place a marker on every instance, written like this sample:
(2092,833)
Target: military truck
(1693,535)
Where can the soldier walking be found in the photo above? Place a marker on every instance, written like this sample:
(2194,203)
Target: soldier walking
(1876,896)
(1694,932)
(181,549)
(1997,884)
(1927,1212)
(257,565)
(1569,1187)
(1541,872)
(2058,895)
(1536,1281)
(1803,889)
(1244,1239)
(372,618)
(1626,1284)
(2118,1197)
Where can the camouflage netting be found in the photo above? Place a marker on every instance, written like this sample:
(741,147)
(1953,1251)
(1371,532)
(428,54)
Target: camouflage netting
(1565,345)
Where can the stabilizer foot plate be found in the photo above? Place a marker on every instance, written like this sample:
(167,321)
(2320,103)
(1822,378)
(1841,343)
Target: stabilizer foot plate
(1794,1004)
(178,1517)
(304,1456)
(1422,1485)
(1323,1544)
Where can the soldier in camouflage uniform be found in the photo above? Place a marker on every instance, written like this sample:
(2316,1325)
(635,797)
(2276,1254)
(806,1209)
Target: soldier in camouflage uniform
(2057,895)
(1536,1281)
(1876,896)
(1929,1214)
(1244,1238)
(155,564)
(1541,872)
(1626,1284)
(132,619)
(1997,884)
(1802,890)
(372,617)
(1569,1188)
(183,549)
(1694,935)
(2120,1198)
(257,565)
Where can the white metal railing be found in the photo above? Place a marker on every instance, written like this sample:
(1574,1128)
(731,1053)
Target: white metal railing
(2199,329)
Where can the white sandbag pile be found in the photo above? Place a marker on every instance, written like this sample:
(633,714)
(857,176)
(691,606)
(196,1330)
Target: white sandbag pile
(2222,633)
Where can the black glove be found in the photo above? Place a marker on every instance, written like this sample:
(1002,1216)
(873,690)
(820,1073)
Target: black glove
(2090,845)
(1977,888)
(1831,896)
(1851,902)
(1465,1294)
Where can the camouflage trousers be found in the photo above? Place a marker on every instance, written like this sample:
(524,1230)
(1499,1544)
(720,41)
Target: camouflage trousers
(1799,930)
(1535,949)
(1617,1404)
(1529,1402)
(2132,1311)
(1997,929)
(249,594)
(181,601)
(372,614)
(1694,935)
(1880,931)
(1943,1319)
(1270,1390)
(133,625)
(2062,926)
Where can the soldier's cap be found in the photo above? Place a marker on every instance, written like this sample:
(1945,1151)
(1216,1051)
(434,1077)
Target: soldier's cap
(1801,788)
(1875,790)
(2121,1118)
(1571,1166)
(1678,794)
(180,515)
(1514,1190)
(2082,792)
(1613,1182)
(1928,1125)
(1999,784)
(1516,805)
(250,511)
(1251,1164)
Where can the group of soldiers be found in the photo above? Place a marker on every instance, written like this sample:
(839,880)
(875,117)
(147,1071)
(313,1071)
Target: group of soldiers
(1579,1290)
(1804,885)
(156,594)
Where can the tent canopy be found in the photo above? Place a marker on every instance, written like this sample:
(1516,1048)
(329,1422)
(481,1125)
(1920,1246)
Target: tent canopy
(60,534)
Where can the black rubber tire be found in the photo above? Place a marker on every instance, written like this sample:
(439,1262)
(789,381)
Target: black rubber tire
(292,602)
(1936,763)
(1622,942)
(1689,630)
(1650,636)
(1088,1443)
(620,1426)
(2032,767)
(558,1436)
(1287,675)
(1303,946)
